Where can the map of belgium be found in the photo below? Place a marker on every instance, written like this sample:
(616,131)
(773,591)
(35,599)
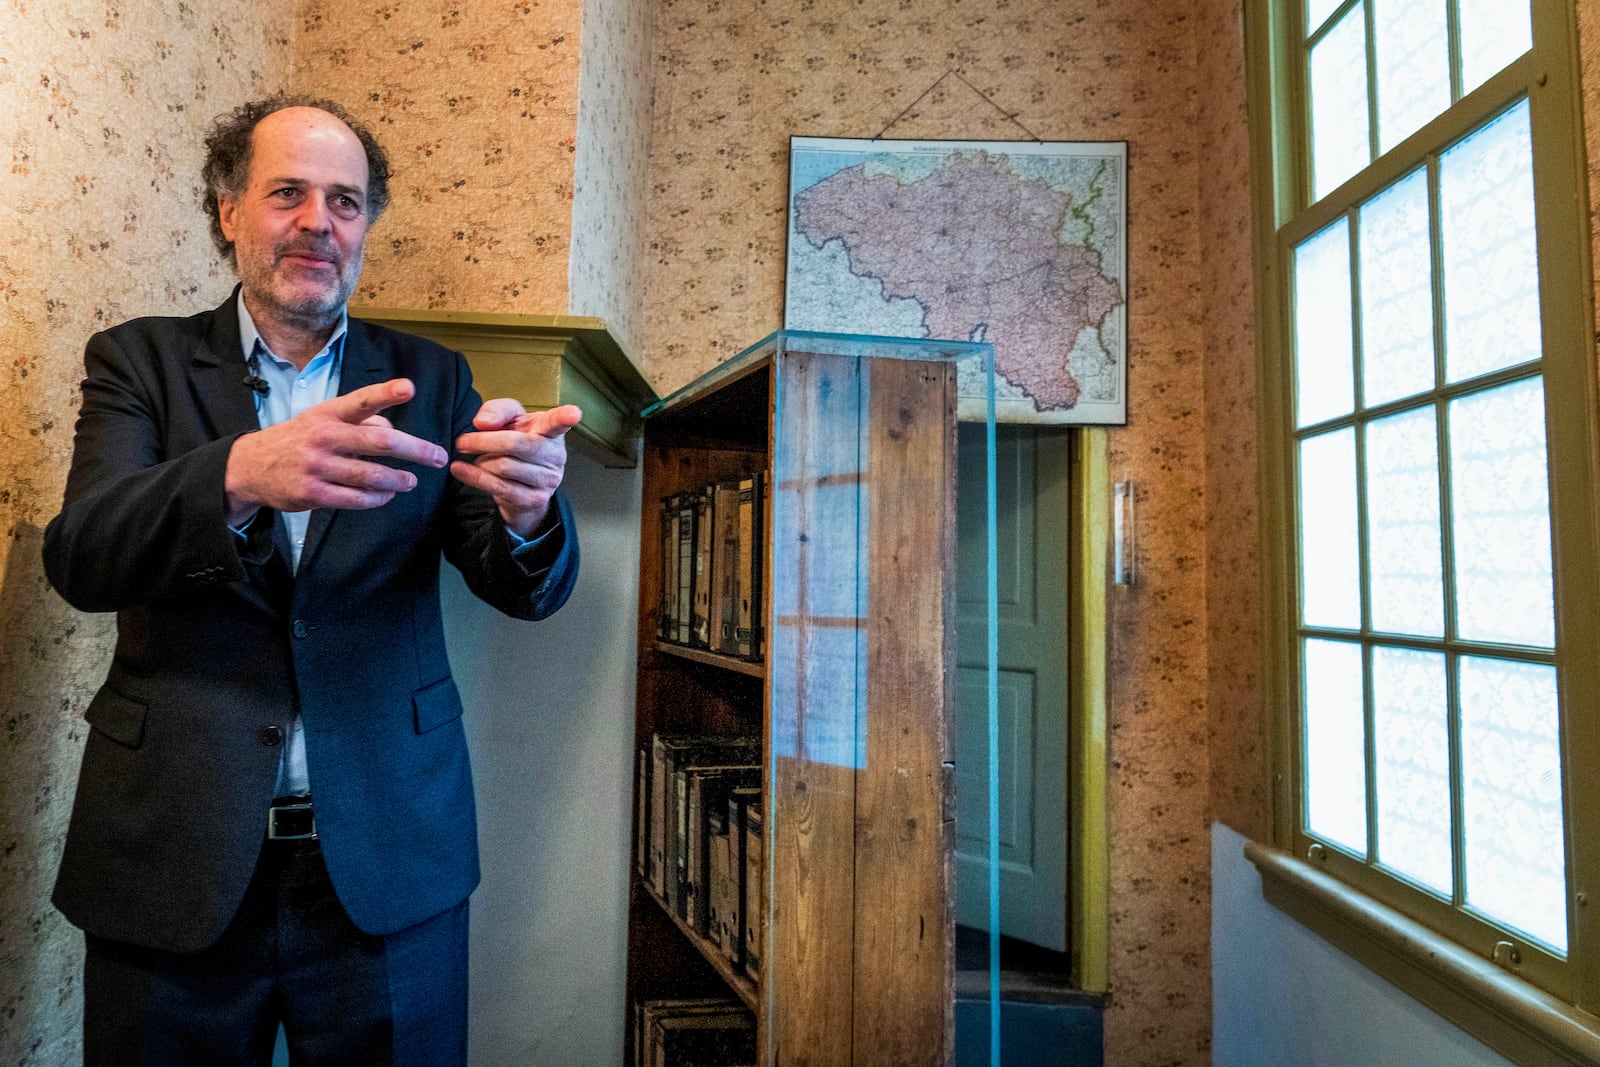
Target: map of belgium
(971,243)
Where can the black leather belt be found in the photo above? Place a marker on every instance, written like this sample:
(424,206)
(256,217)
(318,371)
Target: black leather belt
(291,819)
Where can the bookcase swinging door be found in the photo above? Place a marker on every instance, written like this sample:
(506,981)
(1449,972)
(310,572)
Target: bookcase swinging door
(863,549)
(852,699)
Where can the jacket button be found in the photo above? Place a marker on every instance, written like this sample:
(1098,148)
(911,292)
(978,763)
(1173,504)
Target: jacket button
(299,628)
(271,736)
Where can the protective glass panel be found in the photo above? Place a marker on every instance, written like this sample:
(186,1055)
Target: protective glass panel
(1335,740)
(1412,46)
(1324,365)
(1330,561)
(1500,507)
(1396,293)
(1405,571)
(1491,264)
(1493,33)
(1411,741)
(1339,145)
(1511,797)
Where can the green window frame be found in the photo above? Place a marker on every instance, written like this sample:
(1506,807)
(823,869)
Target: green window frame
(1291,207)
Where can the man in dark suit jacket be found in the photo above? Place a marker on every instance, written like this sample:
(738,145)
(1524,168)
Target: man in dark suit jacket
(274,818)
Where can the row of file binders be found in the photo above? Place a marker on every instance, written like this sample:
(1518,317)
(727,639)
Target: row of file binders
(693,1032)
(711,568)
(699,837)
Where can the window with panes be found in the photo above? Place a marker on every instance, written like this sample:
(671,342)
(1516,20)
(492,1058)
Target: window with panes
(1433,644)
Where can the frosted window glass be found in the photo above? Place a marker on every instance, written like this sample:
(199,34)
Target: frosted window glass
(1330,561)
(1403,540)
(1324,364)
(1511,796)
(1411,740)
(1396,292)
(1317,12)
(1339,145)
(1493,33)
(1412,47)
(1500,504)
(1491,264)
(1335,760)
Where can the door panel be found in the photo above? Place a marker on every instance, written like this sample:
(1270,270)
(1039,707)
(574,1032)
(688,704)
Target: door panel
(1031,556)
(1017,708)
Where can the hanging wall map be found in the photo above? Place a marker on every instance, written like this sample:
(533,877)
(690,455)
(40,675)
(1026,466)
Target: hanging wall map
(1017,243)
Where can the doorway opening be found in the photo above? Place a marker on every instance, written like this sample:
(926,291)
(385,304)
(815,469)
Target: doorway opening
(1053,497)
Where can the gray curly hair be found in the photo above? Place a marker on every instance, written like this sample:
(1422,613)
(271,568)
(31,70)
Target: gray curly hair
(228,148)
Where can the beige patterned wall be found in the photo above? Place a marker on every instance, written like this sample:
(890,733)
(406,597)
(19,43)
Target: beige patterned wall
(476,102)
(479,102)
(732,83)
(611,178)
(1588,15)
(102,108)
(1233,541)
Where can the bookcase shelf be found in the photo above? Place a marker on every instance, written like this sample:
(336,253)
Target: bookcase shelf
(742,987)
(713,659)
(854,440)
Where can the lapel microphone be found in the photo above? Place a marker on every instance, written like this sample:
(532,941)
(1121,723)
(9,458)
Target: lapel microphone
(258,385)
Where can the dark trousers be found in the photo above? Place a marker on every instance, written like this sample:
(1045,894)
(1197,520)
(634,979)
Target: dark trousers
(291,955)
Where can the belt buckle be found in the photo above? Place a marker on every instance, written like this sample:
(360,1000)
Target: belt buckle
(299,814)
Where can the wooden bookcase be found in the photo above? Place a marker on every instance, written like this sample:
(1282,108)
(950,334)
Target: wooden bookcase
(857,439)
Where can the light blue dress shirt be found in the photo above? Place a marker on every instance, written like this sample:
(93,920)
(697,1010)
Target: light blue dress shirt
(290,392)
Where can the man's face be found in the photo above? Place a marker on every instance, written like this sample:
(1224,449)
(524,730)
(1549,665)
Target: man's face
(300,226)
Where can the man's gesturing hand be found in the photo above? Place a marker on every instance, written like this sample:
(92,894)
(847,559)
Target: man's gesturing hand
(316,459)
(520,457)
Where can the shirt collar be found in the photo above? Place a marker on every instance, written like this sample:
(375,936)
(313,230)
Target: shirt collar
(249,336)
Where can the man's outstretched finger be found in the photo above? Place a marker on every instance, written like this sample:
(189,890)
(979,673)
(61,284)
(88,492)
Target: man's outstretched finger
(358,405)
(498,413)
(555,422)
(370,440)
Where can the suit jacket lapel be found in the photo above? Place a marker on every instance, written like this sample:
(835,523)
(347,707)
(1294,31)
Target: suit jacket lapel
(361,365)
(225,402)
(217,373)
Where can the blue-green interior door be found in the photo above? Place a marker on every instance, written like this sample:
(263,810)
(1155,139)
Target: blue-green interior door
(1032,482)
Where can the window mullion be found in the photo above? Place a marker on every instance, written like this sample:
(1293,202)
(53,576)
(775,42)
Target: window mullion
(1302,32)
(1453,33)
(1369,19)
(1363,547)
(1447,569)
(1458,840)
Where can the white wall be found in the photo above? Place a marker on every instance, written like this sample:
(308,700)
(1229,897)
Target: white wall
(549,711)
(1283,997)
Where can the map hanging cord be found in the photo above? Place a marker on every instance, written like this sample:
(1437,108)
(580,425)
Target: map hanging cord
(985,97)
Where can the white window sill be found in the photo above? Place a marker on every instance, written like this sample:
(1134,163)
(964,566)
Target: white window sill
(1518,1020)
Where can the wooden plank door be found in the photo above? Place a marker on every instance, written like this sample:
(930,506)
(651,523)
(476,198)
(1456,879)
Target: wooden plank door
(861,961)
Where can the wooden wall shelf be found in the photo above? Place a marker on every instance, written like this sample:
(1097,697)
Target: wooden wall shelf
(543,361)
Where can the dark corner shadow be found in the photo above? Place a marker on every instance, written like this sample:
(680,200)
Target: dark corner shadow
(51,660)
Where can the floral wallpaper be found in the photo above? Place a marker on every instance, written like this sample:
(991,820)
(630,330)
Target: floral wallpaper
(103,104)
(476,104)
(733,82)
(532,178)
(611,182)
(1235,735)
(1588,16)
